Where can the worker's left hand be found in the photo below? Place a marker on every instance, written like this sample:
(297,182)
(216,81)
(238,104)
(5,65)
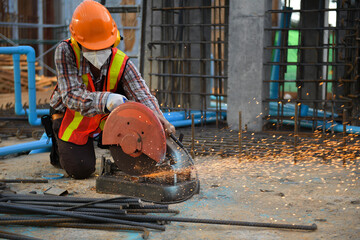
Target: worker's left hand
(168,127)
(114,100)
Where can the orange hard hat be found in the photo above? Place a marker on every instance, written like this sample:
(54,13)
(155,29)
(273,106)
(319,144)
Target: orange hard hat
(92,26)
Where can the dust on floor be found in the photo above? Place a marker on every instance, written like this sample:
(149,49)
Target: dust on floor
(267,190)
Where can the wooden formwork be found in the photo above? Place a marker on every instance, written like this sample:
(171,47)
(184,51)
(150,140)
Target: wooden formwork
(43,83)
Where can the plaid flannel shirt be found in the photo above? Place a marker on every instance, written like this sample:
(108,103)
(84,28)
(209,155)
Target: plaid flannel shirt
(71,92)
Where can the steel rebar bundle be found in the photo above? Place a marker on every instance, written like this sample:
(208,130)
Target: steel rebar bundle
(101,213)
(9,235)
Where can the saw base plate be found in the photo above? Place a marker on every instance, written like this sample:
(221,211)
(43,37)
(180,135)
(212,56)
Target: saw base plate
(146,191)
(113,181)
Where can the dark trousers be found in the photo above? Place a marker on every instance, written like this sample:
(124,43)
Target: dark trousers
(77,160)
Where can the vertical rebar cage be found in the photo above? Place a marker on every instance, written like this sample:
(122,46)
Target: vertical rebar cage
(314,64)
(188,54)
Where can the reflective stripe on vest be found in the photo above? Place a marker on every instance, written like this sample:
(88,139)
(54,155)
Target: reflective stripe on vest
(73,125)
(117,65)
(76,128)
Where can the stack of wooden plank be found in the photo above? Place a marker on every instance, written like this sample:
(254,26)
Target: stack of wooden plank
(43,83)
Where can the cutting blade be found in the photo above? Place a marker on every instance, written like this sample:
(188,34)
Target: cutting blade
(137,166)
(137,130)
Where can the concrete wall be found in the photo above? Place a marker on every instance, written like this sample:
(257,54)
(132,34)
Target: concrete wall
(247,20)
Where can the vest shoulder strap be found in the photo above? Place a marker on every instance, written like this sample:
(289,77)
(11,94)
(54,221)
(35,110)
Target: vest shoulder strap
(116,68)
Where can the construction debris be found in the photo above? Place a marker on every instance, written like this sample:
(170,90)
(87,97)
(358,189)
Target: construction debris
(56,191)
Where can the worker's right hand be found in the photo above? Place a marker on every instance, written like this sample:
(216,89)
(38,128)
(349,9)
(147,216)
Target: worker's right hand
(114,100)
(168,127)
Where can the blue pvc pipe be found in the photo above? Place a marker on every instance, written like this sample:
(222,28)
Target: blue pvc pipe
(39,111)
(212,97)
(187,122)
(274,86)
(24,147)
(30,52)
(41,150)
(349,129)
(178,118)
(288,108)
(305,110)
(338,127)
(175,116)
(285,113)
(223,105)
(320,113)
(17,85)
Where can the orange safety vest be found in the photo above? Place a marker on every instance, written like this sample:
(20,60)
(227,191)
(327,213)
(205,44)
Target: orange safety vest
(76,128)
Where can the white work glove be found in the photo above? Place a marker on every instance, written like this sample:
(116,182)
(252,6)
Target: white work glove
(114,100)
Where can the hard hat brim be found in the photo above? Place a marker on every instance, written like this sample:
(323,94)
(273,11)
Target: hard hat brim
(99,45)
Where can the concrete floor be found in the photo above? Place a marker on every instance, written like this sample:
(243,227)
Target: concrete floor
(267,190)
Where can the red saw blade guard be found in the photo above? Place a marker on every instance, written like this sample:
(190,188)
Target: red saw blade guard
(136,129)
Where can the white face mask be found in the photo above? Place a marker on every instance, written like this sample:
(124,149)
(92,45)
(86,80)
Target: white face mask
(97,58)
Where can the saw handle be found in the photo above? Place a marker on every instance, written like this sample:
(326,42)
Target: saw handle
(176,140)
(181,137)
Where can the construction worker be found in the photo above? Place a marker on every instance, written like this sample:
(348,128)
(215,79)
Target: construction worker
(93,78)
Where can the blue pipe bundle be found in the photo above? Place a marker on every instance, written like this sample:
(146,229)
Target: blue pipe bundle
(337,127)
(306,111)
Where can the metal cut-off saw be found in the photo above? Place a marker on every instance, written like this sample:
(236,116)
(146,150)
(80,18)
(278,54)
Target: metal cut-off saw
(145,163)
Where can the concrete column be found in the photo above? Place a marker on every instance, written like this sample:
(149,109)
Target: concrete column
(247,20)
